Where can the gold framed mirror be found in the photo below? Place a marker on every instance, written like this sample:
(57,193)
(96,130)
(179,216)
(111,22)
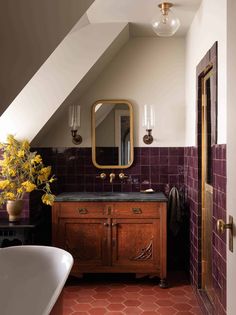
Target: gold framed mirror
(112,134)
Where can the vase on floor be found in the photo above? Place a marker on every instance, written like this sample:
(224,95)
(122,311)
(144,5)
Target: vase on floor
(14,209)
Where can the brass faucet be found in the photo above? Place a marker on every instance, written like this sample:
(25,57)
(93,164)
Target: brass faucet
(102,176)
(112,176)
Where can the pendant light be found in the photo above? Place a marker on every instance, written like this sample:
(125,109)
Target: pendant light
(167,23)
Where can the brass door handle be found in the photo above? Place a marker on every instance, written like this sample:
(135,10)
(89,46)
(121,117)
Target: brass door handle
(222,226)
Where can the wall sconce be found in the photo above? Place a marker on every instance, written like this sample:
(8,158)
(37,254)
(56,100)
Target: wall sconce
(148,123)
(74,123)
(167,23)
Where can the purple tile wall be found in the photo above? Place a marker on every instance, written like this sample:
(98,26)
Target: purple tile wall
(152,167)
(191,164)
(219,241)
(193,193)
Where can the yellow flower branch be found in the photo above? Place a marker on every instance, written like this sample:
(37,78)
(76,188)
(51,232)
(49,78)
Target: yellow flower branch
(22,171)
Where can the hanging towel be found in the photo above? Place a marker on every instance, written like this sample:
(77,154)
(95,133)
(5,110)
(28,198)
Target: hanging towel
(175,211)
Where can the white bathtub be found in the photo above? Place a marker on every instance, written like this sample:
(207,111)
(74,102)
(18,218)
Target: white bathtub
(32,278)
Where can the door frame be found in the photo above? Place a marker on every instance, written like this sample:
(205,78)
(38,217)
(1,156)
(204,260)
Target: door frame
(208,62)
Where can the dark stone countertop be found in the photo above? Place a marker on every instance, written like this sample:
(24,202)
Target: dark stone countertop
(111,196)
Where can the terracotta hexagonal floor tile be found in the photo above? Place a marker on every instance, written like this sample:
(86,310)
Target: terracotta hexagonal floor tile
(78,313)
(85,299)
(180,299)
(177,292)
(193,301)
(132,288)
(132,311)
(182,307)
(147,292)
(70,295)
(86,292)
(164,294)
(97,311)
(100,303)
(184,313)
(102,288)
(148,306)
(132,295)
(196,310)
(150,313)
(101,296)
(147,298)
(67,310)
(164,302)
(116,299)
(69,302)
(166,310)
(117,291)
(116,307)
(132,303)
(81,307)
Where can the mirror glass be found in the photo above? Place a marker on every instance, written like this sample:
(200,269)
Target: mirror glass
(112,134)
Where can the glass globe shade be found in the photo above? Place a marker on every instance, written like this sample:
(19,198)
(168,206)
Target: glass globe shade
(166,25)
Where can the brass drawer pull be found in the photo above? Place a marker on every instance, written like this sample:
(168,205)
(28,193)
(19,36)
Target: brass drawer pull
(137,210)
(106,224)
(83,211)
(114,224)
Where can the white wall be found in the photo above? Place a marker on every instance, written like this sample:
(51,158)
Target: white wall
(146,70)
(231,149)
(208,26)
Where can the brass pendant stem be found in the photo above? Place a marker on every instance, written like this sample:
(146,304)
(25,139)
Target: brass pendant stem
(165,6)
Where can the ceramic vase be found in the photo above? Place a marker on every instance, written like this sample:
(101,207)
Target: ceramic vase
(14,209)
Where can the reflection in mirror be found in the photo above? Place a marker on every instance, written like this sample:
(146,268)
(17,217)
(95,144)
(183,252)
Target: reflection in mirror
(112,132)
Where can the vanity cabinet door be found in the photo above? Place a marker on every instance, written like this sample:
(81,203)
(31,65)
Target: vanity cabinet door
(136,245)
(88,242)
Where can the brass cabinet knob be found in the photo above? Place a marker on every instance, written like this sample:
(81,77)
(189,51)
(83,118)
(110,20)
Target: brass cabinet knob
(222,226)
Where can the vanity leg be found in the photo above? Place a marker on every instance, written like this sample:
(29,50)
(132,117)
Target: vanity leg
(163,283)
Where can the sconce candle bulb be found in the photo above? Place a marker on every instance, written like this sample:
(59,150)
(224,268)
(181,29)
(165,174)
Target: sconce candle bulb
(148,123)
(74,123)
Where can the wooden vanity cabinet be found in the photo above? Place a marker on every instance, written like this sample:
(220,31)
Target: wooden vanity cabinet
(112,236)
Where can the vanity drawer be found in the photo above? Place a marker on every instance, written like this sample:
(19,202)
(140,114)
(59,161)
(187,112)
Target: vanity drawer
(81,209)
(137,209)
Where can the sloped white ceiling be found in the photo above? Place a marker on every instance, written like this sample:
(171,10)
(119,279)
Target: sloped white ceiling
(55,80)
(29,32)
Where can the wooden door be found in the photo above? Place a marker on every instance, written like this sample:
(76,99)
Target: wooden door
(136,245)
(88,242)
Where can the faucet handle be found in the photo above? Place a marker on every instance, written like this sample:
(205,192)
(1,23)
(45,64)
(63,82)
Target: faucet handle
(102,176)
(112,176)
(123,176)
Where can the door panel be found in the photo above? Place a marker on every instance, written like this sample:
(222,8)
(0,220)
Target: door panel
(136,242)
(87,240)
